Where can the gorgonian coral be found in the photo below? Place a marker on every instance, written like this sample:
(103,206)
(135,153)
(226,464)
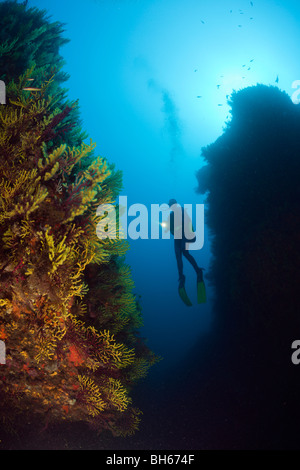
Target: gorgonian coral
(67,311)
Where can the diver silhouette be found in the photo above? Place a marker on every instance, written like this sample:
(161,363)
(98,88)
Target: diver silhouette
(180,226)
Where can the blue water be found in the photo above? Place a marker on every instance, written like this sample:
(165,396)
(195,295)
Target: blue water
(139,126)
(152,78)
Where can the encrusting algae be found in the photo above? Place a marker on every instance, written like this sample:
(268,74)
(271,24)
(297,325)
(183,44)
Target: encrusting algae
(68,315)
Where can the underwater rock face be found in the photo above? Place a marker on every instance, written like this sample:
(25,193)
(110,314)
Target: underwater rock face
(252,171)
(68,317)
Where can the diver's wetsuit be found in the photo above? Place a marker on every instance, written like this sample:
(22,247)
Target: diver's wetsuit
(181,250)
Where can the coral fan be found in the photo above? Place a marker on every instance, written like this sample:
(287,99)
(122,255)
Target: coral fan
(67,312)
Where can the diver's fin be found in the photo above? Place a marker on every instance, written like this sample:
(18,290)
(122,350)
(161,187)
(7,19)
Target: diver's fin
(184,297)
(201,292)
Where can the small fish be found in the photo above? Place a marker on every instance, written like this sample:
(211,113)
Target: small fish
(244,65)
(277,79)
(243,78)
(249,68)
(199,96)
(203,22)
(218,86)
(31,89)
(196,70)
(251,18)
(239,25)
(221,76)
(251,60)
(251,3)
(230,11)
(220,105)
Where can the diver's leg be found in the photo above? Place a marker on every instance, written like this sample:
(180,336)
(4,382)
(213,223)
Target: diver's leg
(192,260)
(178,254)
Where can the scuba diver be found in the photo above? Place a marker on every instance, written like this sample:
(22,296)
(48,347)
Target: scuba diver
(180,226)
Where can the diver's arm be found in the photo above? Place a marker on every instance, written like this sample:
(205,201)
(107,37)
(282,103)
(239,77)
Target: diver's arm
(188,225)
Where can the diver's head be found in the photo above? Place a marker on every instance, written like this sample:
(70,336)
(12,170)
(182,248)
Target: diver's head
(172,202)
